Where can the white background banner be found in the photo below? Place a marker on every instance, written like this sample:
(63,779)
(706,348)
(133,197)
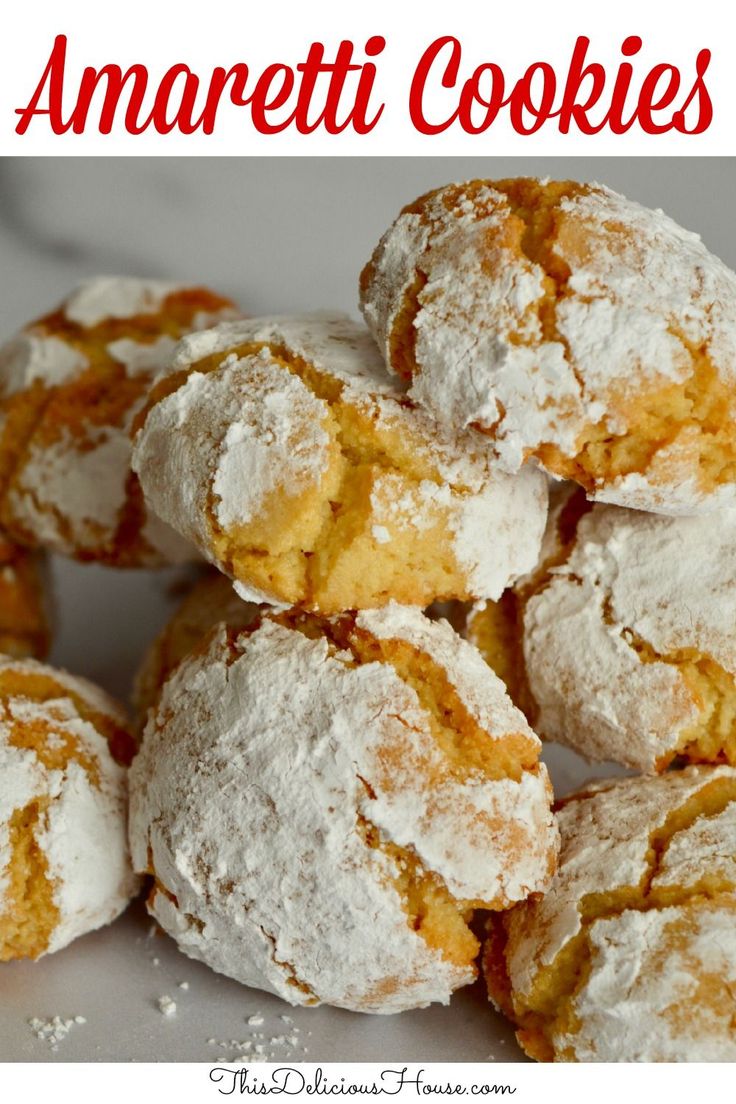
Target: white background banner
(380,78)
(395,1081)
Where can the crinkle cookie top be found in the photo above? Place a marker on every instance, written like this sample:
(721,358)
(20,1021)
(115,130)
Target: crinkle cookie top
(628,636)
(211,600)
(631,955)
(64,862)
(287,454)
(334,795)
(571,324)
(70,386)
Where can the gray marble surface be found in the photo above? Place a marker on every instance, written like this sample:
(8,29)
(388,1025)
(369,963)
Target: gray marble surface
(278,235)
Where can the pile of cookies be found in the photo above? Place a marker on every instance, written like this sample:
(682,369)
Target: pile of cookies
(535,434)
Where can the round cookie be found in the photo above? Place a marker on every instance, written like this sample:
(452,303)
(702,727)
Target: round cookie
(64,861)
(322,803)
(210,601)
(283,450)
(70,385)
(24,615)
(622,643)
(631,955)
(571,325)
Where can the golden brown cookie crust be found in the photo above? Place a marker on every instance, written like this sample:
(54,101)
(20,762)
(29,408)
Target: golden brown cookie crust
(421,798)
(286,453)
(620,644)
(24,602)
(70,385)
(571,325)
(64,862)
(629,956)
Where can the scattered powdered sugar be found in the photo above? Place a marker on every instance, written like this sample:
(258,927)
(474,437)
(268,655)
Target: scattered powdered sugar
(260,1046)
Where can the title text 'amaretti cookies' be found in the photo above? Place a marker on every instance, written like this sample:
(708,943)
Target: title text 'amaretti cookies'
(70,385)
(572,325)
(283,449)
(322,803)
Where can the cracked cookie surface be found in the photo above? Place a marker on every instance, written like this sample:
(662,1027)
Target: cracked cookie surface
(210,601)
(70,386)
(571,325)
(621,643)
(64,861)
(631,955)
(283,449)
(323,802)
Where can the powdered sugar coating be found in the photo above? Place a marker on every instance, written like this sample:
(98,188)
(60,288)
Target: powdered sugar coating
(69,495)
(116,297)
(647,995)
(641,294)
(325,746)
(34,358)
(142,360)
(240,433)
(233,437)
(631,579)
(70,486)
(482,692)
(705,847)
(211,601)
(655,964)
(81,833)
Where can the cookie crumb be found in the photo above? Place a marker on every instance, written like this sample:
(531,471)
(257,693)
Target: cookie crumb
(166,1006)
(53,1030)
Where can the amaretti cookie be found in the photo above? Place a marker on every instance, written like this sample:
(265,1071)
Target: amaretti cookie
(283,450)
(322,803)
(210,601)
(622,644)
(631,955)
(64,861)
(571,325)
(24,602)
(70,385)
